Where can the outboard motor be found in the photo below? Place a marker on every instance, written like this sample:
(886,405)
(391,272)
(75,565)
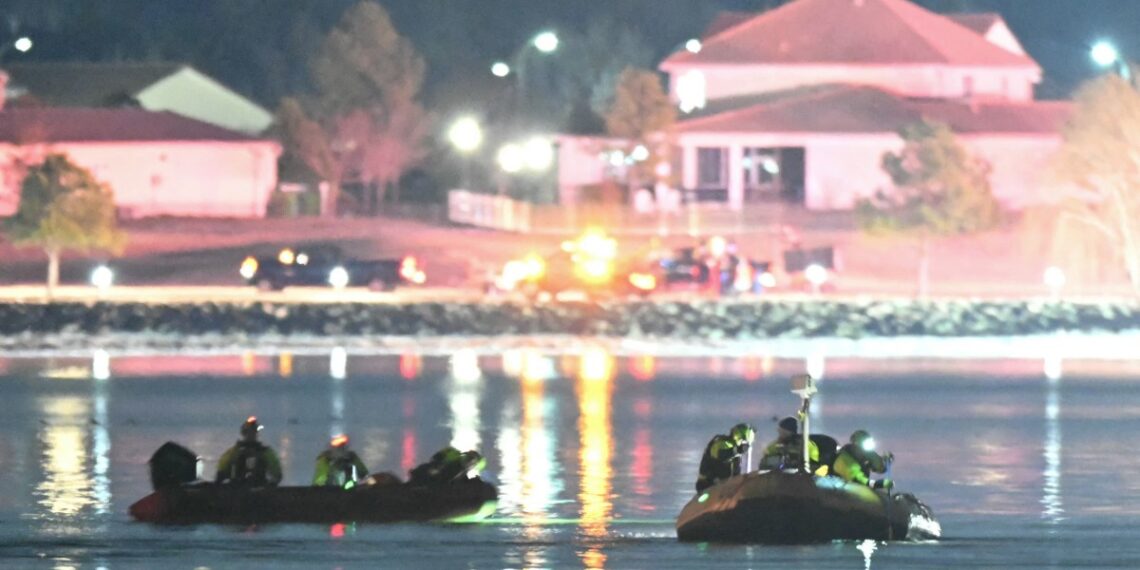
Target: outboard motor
(173,465)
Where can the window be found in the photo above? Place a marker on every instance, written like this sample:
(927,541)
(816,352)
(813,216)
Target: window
(710,167)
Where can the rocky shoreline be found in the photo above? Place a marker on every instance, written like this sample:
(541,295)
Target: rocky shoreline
(29,324)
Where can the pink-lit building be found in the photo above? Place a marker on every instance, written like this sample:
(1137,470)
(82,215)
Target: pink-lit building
(799,104)
(157,163)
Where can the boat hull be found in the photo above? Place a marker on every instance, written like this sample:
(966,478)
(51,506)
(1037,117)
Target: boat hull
(223,504)
(795,508)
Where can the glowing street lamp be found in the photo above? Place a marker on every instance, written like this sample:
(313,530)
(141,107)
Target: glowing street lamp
(23,44)
(102,278)
(510,158)
(1105,54)
(693,46)
(465,135)
(1055,281)
(500,69)
(546,42)
(816,275)
(538,154)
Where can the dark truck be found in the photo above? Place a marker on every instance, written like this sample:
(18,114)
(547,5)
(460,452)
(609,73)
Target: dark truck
(328,266)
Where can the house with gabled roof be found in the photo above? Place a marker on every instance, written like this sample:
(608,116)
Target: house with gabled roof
(799,104)
(154,86)
(156,163)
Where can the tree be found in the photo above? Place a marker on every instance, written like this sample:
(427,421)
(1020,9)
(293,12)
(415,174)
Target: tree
(368,80)
(63,207)
(1097,173)
(642,115)
(940,189)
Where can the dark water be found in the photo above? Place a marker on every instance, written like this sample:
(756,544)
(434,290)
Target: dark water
(1027,463)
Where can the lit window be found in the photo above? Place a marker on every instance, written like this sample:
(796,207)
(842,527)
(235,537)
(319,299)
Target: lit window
(691,91)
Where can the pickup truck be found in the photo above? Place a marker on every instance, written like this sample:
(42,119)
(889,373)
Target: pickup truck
(327,266)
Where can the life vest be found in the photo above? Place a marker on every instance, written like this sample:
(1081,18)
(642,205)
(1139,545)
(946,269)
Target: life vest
(249,466)
(719,462)
(342,469)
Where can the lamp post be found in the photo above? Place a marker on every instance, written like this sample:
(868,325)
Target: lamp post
(1105,55)
(22,44)
(466,136)
(545,42)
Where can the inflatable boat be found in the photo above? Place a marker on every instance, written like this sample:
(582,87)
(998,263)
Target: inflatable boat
(181,498)
(471,499)
(774,507)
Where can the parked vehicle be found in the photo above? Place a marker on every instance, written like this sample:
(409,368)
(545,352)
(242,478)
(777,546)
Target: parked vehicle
(328,266)
(692,268)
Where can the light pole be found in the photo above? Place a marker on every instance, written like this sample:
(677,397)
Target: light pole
(1105,54)
(545,42)
(22,44)
(466,136)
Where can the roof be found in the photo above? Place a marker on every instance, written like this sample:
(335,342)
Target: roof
(59,124)
(87,84)
(981,22)
(725,20)
(845,109)
(859,32)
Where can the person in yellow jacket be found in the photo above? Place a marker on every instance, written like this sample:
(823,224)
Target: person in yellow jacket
(339,466)
(787,451)
(249,462)
(723,456)
(858,460)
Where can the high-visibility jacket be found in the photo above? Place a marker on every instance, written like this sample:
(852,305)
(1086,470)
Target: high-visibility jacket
(854,464)
(719,462)
(337,467)
(249,463)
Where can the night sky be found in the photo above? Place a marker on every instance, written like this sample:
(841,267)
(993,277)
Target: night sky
(259,46)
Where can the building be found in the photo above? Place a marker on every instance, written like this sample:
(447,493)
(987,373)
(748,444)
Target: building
(799,104)
(172,87)
(157,163)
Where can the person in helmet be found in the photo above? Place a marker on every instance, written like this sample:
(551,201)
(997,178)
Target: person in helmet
(339,466)
(448,465)
(249,462)
(724,456)
(858,459)
(787,451)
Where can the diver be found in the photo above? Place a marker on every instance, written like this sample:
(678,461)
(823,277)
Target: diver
(339,466)
(724,456)
(786,452)
(249,462)
(857,460)
(446,466)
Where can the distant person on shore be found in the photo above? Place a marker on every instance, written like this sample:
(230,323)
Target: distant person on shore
(787,451)
(339,466)
(858,459)
(249,462)
(724,456)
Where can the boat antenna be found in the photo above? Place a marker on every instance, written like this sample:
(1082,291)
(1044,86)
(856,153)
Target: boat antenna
(803,385)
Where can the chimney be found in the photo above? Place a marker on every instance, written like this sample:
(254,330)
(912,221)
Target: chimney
(3,88)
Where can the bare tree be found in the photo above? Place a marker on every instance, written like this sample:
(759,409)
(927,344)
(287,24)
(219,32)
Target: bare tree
(1097,171)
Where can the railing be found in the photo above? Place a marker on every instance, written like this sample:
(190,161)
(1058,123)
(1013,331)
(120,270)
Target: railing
(487,211)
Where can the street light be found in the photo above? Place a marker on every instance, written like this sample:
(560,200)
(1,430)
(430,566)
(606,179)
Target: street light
(500,69)
(22,44)
(1105,54)
(546,42)
(510,158)
(465,134)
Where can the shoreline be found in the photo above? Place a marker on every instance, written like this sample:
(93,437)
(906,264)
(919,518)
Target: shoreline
(1059,346)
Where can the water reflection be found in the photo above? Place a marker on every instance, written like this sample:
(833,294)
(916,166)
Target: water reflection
(68,488)
(528,447)
(1053,509)
(595,390)
(463,394)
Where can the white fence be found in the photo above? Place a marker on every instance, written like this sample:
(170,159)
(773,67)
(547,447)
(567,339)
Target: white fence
(487,211)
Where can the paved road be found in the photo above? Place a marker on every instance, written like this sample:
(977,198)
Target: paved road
(221,294)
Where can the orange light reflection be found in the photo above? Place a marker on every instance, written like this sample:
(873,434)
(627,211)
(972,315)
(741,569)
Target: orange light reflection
(595,391)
